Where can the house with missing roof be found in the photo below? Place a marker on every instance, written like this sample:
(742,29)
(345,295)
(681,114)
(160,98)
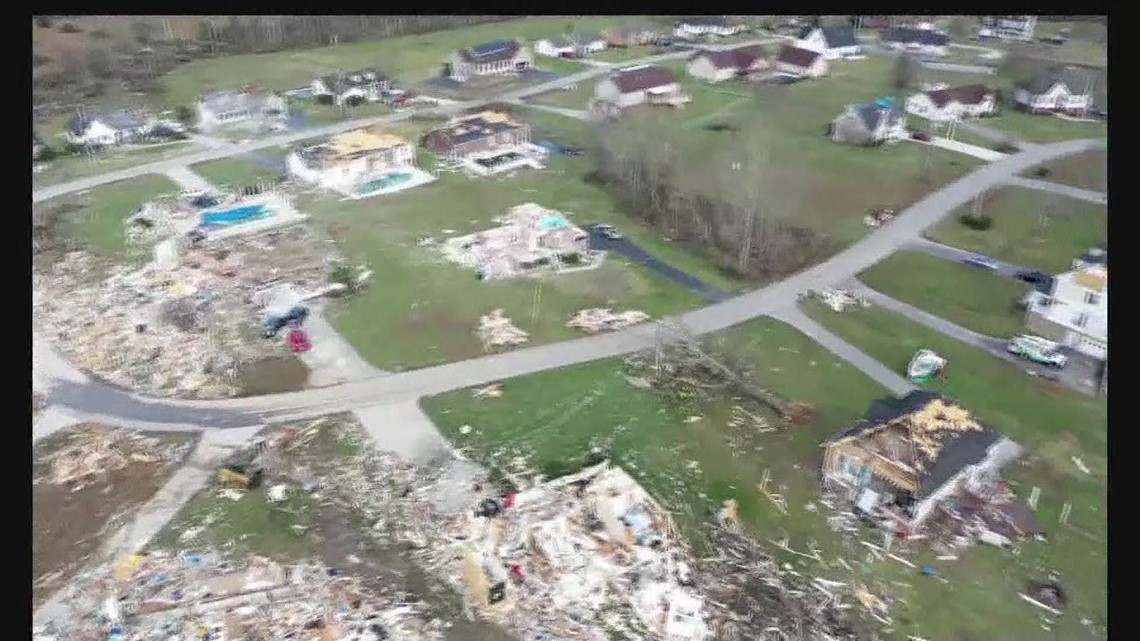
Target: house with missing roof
(485,143)
(352,87)
(707,26)
(495,58)
(1007,27)
(573,45)
(631,35)
(833,42)
(646,84)
(354,159)
(870,124)
(921,42)
(910,458)
(1074,312)
(109,128)
(948,104)
(1066,90)
(717,66)
(803,63)
(243,107)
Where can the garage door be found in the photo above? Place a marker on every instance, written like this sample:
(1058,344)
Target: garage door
(1088,346)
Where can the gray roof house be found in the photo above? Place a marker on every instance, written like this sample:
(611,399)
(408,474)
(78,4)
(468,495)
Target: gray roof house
(832,42)
(107,128)
(227,107)
(869,124)
(1064,89)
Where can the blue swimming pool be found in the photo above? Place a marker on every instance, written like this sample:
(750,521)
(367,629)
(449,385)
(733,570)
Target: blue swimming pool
(553,222)
(234,216)
(382,183)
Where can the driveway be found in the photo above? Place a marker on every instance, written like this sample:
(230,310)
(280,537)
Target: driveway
(625,247)
(1057,188)
(957,146)
(953,254)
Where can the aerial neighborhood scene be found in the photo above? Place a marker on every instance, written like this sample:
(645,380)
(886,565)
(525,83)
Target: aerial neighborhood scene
(561,328)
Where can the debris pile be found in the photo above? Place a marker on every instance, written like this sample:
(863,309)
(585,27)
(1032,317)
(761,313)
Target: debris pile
(594,320)
(93,450)
(530,238)
(984,510)
(496,330)
(840,300)
(202,596)
(879,217)
(183,324)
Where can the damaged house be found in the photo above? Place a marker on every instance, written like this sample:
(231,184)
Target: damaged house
(350,88)
(871,124)
(358,162)
(485,143)
(909,455)
(489,59)
(247,106)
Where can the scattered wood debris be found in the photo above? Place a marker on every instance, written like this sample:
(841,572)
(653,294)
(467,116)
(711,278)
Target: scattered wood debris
(495,390)
(496,330)
(595,319)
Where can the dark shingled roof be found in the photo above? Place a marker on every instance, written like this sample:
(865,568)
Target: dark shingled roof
(1075,79)
(706,21)
(795,56)
(966,95)
(642,78)
(339,83)
(871,115)
(915,36)
(835,37)
(958,449)
(490,51)
(739,58)
(468,129)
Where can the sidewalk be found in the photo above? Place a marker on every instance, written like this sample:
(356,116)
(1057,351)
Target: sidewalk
(988,155)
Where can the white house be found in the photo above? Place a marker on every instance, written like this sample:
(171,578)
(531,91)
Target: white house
(224,108)
(869,124)
(707,26)
(954,103)
(351,158)
(921,42)
(1008,27)
(489,59)
(640,85)
(801,62)
(363,85)
(1075,311)
(1067,90)
(716,66)
(108,128)
(577,44)
(832,42)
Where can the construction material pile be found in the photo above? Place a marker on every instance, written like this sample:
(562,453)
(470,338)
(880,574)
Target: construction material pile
(202,596)
(530,238)
(937,421)
(93,450)
(496,330)
(596,320)
(840,300)
(182,324)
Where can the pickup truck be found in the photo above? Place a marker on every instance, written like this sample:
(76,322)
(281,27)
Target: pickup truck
(1038,350)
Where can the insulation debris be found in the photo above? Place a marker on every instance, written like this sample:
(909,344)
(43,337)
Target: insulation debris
(491,391)
(840,300)
(93,450)
(496,330)
(596,320)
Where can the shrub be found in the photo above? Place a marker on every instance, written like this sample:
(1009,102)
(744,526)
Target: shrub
(1007,147)
(979,222)
(44,22)
(1041,172)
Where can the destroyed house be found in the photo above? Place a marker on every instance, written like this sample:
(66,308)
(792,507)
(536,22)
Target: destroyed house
(489,59)
(484,134)
(352,157)
(360,85)
(907,455)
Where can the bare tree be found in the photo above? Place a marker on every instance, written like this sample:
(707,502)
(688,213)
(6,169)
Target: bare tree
(904,74)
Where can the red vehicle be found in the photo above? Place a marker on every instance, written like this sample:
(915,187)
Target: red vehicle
(299,341)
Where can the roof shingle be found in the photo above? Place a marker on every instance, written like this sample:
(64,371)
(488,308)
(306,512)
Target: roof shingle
(797,57)
(642,78)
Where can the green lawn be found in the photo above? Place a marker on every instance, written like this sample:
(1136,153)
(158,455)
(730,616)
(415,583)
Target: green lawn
(961,134)
(1042,128)
(1055,425)
(66,168)
(318,114)
(410,59)
(238,171)
(1087,170)
(1030,228)
(973,298)
(97,224)
(622,54)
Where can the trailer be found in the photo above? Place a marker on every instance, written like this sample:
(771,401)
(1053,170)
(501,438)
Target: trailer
(1038,350)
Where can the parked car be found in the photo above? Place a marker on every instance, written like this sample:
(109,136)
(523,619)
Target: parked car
(1038,350)
(572,151)
(921,136)
(1034,277)
(978,260)
(609,232)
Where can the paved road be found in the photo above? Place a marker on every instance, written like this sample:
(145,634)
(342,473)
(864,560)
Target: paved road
(576,114)
(627,248)
(908,226)
(1081,373)
(164,166)
(1063,190)
(953,254)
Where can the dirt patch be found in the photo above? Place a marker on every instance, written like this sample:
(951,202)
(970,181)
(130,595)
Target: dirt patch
(273,375)
(80,494)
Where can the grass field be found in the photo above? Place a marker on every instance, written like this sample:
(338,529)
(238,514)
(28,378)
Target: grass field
(240,171)
(967,296)
(1041,128)
(1018,234)
(409,59)
(1087,170)
(622,54)
(96,223)
(65,168)
(1055,425)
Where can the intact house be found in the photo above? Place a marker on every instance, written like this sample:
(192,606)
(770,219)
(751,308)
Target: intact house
(647,84)
(715,66)
(362,85)
(1061,89)
(1075,311)
(107,128)
(707,26)
(630,36)
(351,159)
(804,63)
(909,458)
(953,103)
(870,124)
(921,42)
(489,59)
(1007,27)
(242,107)
(832,42)
(488,142)
(574,45)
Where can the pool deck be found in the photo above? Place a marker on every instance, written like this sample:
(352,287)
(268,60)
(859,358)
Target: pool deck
(283,214)
(419,178)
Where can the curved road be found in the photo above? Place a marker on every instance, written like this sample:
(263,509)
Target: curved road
(72,391)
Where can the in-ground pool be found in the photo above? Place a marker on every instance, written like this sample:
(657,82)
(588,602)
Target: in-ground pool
(387,182)
(553,222)
(234,216)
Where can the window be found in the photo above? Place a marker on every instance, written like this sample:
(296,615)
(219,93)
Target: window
(1092,299)
(1080,320)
